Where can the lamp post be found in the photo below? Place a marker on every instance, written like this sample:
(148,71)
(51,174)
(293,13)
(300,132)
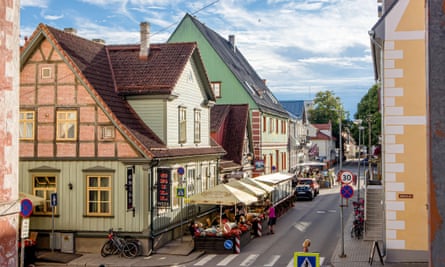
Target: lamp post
(360,128)
(340,143)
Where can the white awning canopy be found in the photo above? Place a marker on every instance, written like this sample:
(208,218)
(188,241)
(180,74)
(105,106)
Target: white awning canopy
(275,178)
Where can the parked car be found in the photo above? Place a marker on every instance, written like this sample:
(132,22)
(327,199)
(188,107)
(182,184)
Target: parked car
(307,188)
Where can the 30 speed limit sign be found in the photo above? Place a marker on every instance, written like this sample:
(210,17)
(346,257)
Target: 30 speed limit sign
(346,177)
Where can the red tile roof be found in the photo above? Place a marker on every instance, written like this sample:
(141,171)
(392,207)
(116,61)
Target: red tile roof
(112,71)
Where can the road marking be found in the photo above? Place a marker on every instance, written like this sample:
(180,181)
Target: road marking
(204,260)
(321,211)
(302,226)
(249,260)
(227,260)
(273,260)
(332,211)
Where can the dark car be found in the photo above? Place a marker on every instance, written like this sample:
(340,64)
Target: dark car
(307,188)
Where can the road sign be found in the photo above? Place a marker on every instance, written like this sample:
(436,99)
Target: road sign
(228,244)
(25,228)
(25,207)
(347,191)
(306,259)
(346,177)
(53,199)
(180,192)
(181,170)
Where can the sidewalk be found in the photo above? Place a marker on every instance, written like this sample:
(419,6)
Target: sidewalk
(358,252)
(180,252)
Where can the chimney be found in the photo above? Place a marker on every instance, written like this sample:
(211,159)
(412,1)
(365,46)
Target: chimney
(70,30)
(145,41)
(232,41)
(99,41)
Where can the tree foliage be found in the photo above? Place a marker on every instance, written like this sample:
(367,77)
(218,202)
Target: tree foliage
(328,107)
(369,114)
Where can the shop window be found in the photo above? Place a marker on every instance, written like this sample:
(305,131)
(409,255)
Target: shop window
(44,186)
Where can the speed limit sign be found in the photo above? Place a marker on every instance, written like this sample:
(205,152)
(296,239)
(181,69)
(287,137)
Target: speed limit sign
(346,177)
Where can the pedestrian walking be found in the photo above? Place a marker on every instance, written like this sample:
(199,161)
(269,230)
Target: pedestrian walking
(272,218)
(306,244)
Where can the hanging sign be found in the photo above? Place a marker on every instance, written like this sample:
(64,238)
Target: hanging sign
(164,184)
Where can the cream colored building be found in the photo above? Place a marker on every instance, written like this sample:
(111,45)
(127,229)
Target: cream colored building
(399,48)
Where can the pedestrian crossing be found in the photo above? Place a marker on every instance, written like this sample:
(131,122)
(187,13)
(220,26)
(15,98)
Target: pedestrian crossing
(242,260)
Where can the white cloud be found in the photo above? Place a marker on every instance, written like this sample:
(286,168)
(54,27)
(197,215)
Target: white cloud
(34,3)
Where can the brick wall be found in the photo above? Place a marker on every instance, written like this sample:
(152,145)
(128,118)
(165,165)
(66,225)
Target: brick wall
(9,102)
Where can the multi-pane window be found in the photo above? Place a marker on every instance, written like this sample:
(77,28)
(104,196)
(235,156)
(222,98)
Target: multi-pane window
(182,125)
(197,126)
(27,122)
(44,186)
(264,124)
(191,182)
(216,86)
(66,125)
(176,201)
(98,195)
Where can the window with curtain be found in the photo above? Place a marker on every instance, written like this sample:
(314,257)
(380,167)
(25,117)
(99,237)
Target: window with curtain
(27,125)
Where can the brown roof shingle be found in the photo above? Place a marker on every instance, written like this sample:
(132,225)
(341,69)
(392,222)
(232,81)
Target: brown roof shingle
(113,71)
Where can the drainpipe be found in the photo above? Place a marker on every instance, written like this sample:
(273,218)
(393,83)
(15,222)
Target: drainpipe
(381,79)
(154,163)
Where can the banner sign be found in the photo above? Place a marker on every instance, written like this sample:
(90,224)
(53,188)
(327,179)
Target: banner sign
(129,186)
(164,184)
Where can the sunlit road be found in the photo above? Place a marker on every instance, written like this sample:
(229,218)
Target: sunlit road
(318,220)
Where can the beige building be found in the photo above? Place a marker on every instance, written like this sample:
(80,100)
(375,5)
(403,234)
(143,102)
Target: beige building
(399,48)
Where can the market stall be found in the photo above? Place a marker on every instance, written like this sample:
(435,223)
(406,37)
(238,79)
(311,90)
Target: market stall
(221,233)
(282,197)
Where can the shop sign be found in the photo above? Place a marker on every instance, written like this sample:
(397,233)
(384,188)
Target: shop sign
(129,187)
(164,184)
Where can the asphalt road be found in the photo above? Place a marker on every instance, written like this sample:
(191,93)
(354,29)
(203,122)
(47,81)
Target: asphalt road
(319,220)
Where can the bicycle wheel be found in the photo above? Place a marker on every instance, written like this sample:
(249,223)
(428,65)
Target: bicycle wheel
(107,249)
(130,250)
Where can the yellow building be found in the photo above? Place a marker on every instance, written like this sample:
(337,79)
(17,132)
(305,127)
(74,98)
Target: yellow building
(398,42)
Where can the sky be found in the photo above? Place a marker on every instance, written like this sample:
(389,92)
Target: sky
(300,47)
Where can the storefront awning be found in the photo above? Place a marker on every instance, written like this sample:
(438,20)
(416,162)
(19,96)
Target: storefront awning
(223,194)
(275,178)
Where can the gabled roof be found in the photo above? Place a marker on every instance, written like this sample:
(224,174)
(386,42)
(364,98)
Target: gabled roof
(235,118)
(108,75)
(295,107)
(242,70)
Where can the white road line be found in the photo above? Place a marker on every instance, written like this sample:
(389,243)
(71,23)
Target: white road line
(204,260)
(227,260)
(249,260)
(273,260)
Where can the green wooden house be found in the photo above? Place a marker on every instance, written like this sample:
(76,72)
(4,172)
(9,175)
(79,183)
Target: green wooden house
(234,81)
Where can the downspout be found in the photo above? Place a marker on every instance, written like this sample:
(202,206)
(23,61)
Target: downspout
(154,163)
(382,105)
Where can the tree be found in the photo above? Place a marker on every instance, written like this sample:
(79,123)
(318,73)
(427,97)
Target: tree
(328,107)
(368,113)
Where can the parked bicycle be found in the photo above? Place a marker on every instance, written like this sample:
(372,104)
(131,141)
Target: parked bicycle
(358,222)
(117,245)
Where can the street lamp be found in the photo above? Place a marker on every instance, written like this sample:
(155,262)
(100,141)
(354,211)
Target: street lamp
(360,128)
